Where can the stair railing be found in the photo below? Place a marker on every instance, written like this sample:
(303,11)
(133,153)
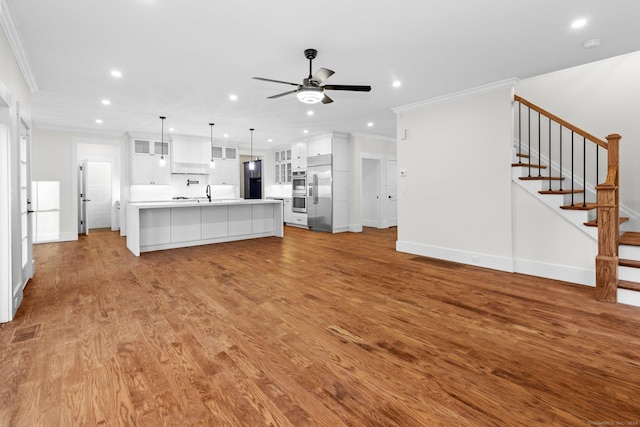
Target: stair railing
(607,197)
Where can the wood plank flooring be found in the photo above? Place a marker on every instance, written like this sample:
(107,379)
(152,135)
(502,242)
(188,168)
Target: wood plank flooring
(310,330)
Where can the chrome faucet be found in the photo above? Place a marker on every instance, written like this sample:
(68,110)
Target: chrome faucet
(209,192)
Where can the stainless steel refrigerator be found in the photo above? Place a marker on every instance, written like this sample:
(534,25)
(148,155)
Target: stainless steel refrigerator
(320,193)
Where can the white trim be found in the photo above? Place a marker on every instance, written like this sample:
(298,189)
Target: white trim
(10,29)
(563,273)
(58,237)
(457,95)
(465,257)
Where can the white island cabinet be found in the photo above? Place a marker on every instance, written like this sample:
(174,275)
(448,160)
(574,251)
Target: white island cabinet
(153,226)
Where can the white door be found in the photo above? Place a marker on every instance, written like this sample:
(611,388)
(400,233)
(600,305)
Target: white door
(83,198)
(370,193)
(391,214)
(26,225)
(99,188)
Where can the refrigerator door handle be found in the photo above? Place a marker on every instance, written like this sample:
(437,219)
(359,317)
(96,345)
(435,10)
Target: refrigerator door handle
(315,189)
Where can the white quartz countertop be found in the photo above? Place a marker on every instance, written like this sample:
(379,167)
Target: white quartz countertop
(200,202)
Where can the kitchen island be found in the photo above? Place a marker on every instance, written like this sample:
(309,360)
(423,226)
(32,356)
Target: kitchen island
(153,226)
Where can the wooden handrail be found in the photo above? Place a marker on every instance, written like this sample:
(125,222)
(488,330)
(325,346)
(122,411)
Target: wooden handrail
(601,142)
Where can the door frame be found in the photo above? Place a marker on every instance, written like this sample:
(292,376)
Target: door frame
(6,279)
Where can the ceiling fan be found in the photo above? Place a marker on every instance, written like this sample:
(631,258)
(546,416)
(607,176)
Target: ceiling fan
(312,90)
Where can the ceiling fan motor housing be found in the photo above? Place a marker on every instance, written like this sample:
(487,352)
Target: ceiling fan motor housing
(310,53)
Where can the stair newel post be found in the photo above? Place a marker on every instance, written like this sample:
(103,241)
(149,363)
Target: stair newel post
(539,150)
(584,171)
(529,139)
(609,226)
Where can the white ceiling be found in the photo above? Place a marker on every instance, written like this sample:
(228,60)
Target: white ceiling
(183,59)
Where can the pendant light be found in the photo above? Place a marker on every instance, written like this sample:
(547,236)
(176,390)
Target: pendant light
(162,161)
(212,163)
(252,165)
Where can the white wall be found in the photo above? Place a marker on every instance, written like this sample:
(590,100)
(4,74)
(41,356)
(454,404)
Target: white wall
(601,98)
(454,200)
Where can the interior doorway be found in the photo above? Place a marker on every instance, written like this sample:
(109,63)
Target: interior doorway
(98,195)
(370,207)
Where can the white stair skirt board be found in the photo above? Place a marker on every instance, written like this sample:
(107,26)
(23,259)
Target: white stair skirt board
(626,296)
(580,276)
(464,257)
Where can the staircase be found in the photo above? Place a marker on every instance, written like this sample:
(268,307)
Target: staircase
(538,167)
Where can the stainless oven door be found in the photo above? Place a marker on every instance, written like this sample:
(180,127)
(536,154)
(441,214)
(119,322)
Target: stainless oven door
(299,203)
(299,182)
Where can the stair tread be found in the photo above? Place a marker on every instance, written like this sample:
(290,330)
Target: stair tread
(560,191)
(580,207)
(632,286)
(629,263)
(629,238)
(525,156)
(528,165)
(541,178)
(594,223)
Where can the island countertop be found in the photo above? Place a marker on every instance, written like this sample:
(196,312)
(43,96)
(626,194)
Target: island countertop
(171,224)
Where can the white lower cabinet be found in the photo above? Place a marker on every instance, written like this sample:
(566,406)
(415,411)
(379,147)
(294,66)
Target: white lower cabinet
(185,224)
(287,210)
(262,218)
(299,219)
(214,222)
(240,220)
(155,226)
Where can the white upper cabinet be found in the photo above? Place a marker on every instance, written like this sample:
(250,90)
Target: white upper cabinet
(299,150)
(319,146)
(145,162)
(227,167)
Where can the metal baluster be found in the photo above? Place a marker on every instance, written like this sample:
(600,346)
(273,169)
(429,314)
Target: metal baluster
(539,151)
(584,171)
(560,157)
(550,154)
(529,142)
(572,179)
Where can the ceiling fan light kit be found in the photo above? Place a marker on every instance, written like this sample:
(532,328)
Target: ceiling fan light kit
(311,91)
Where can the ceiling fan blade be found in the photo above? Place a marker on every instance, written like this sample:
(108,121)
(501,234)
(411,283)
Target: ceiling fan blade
(348,87)
(326,99)
(282,94)
(323,74)
(275,81)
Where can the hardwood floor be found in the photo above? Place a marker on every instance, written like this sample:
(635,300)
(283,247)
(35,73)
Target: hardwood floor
(312,329)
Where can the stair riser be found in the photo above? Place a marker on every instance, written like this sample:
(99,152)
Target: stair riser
(629,252)
(630,274)
(625,296)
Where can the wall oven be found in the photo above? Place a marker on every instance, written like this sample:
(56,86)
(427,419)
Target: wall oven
(299,203)
(299,182)
(299,191)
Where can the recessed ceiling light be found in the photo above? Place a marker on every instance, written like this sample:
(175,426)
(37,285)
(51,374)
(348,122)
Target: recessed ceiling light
(106,102)
(305,131)
(233,97)
(270,140)
(99,121)
(310,113)
(370,124)
(226,135)
(116,73)
(579,23)
(171,129)
(396,83)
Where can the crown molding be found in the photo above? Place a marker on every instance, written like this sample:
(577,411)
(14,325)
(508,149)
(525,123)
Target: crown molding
(373,136)
(10,29)
(457,95)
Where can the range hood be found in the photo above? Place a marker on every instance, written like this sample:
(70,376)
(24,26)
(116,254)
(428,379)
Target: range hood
(189,168)
(190,156)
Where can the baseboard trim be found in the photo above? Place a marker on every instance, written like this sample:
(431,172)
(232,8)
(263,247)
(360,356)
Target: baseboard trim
(556,272)
(465,257)
(626,296)
(53,238)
